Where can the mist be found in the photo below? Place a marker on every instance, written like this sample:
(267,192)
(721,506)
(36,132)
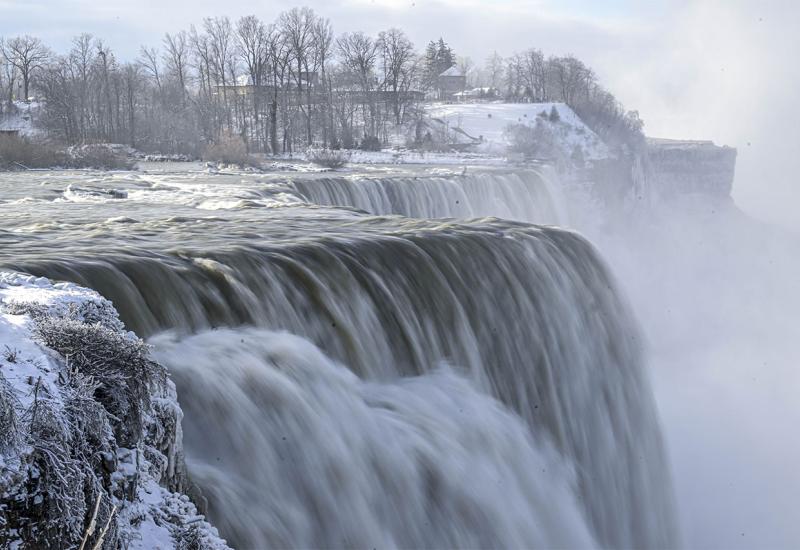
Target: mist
(716,289)
(713,283)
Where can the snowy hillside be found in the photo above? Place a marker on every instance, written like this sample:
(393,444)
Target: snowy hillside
(490,120)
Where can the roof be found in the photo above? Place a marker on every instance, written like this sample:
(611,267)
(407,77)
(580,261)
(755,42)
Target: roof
(453,71)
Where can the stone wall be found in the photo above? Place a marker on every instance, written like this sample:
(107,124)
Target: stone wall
(679,168)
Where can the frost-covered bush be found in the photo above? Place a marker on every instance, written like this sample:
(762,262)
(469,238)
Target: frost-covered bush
(99,156)
(121,367)
(328,158)
(230,149)
(88,311)
(90,442)
(537,141)
(9,423)
(46,498)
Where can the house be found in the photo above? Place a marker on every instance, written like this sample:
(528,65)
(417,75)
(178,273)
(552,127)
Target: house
(451,82)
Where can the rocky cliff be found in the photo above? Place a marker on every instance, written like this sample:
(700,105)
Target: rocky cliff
(90,429)
(678,167)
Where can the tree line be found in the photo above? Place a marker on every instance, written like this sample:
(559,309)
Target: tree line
(277,86)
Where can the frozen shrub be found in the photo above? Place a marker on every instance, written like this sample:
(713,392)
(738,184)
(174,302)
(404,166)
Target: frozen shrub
(537,142)
(91,312)
(98,156)
(121,367)
(328,158)
(189,538)
(34,310)
(47,502)
(9,423)
(11,355)
(230,149)
(55,480)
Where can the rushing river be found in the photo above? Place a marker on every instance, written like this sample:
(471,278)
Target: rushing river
(370,360)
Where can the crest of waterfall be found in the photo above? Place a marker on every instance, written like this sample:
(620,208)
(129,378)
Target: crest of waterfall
(527,195)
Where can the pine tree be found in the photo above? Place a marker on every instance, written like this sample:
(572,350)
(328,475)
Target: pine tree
(446,56)
(431,64)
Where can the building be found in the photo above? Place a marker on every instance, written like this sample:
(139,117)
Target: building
(451,82)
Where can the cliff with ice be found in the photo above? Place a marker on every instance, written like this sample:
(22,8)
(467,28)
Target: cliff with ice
(680,167)
(90,438)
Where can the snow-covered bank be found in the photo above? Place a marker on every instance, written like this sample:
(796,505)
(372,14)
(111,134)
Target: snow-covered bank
(488,123)
(90,440)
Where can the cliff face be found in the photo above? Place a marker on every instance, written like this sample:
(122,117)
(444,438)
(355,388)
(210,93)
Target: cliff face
(678,167)
(90,438)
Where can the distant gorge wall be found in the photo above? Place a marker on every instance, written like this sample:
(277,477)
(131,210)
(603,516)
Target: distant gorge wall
(690,167)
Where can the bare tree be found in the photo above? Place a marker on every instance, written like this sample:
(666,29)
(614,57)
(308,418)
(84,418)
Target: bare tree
(251,35)
(106,62)
(323,47)
(176,59)
(280,59)
(149,59)
(495,69)
(532,73)
(359,54)
(297,27)
(27,54)
(82,59)
(569,77)
(132,81)
(7,78)
(222,49)
(399,64)
(466,66)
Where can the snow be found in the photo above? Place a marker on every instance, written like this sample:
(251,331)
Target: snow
(20,118)
(407,156)
(453,71)
(490,121)
(156,515)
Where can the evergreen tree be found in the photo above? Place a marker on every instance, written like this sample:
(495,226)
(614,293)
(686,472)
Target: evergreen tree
(446,57)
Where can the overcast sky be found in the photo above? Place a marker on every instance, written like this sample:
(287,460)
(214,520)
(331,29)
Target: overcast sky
(710,69)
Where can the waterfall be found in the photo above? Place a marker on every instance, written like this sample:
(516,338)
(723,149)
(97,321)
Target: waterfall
(525,195)
(295,451)
(530,321)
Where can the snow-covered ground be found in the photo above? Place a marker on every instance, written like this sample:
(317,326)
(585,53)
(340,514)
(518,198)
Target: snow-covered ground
(150,516)
(490,120)
(20,119)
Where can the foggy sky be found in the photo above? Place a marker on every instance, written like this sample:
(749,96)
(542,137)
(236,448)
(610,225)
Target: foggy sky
(711,69)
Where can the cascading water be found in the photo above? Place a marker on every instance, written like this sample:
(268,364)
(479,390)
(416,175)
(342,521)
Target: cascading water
(348,429)
(525,195)
(293,450)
